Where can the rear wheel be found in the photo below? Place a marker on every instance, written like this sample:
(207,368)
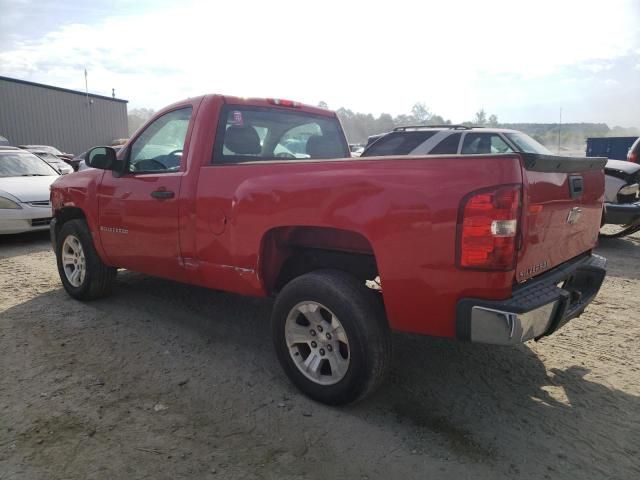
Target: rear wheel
(331,336)
(82,273)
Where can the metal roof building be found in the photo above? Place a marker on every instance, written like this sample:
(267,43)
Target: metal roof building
(72,121)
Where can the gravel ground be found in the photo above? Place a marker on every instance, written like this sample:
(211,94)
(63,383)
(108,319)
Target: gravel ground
(168,381)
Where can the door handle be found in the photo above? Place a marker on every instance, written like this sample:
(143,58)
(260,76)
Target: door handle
(163,194)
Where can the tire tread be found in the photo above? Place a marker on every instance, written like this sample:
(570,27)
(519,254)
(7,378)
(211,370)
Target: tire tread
(100,278)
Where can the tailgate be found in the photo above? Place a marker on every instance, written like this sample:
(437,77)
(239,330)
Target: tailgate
(561,210)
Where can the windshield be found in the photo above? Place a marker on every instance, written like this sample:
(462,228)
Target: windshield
(44,148)
(258,134)
(526,144)
(398,143)
(47,156)
(23,164)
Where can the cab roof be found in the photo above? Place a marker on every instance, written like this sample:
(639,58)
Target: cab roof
(257,102)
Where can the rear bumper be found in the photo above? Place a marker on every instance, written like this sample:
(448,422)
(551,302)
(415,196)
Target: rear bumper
(537,308)
(622,213)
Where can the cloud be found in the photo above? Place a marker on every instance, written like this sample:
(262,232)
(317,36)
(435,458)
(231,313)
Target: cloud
(364,55)
(598,66)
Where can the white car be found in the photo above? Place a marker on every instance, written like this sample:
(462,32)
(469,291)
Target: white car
(24,191)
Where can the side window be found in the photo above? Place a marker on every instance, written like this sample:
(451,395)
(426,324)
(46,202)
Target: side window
(448,146)
(397,143)
(484,143)
(159,148)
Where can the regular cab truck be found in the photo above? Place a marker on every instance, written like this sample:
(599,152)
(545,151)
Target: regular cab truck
(261,197)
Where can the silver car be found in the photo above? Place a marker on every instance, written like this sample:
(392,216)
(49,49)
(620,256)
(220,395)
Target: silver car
(24,191)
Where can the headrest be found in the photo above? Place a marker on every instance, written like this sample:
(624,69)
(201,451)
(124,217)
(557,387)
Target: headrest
(484,145)
(242,140)
(319,146)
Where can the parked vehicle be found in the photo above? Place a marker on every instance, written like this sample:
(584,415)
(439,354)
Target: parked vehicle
(60,165)
(615,148)
(24,191)
(634,152)
(495,248)
(622,199)
(356,149)
(451,140)
(68,158)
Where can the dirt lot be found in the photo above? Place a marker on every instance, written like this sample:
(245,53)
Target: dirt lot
(168,381)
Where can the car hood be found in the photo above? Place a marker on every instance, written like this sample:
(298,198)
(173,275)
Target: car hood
(27,189)
(622,166)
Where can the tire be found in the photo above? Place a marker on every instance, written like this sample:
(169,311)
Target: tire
(94,279)
(350,373)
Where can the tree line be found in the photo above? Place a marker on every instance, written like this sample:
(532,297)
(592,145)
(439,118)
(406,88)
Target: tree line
(359,126)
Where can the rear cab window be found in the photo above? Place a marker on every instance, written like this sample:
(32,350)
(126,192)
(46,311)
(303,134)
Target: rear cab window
(252,134)
(397,143)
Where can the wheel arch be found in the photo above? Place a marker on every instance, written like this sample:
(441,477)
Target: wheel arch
(72,212)
(291,251)
(65,214)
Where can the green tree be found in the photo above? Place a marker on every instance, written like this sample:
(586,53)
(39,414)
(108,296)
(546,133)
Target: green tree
(323,104)
(481,118)
(421,113)
(137,117)
(493,120)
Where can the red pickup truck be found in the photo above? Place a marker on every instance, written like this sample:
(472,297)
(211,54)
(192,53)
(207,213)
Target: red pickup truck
(261,197)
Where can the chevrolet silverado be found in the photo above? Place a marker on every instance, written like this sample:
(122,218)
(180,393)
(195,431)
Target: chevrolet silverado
(261,197)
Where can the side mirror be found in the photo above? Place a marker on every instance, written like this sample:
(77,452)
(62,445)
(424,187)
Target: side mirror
(103,158)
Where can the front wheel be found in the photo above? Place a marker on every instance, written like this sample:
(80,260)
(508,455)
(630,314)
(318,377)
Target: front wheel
(81,270)
(331,336)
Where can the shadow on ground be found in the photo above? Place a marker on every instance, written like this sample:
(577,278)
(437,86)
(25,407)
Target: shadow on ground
(24,243)
(623,256)
(483,404)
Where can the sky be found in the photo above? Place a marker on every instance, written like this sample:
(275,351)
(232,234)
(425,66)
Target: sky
(522,60)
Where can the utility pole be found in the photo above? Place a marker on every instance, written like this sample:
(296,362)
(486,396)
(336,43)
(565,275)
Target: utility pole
(86,85)
(559,127)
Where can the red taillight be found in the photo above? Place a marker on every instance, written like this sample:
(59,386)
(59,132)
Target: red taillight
(284,103)
(487,228)
(633,157)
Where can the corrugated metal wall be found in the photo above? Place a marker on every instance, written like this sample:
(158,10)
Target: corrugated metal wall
(34,114)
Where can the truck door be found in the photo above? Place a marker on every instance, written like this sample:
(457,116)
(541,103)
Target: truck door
(138,211)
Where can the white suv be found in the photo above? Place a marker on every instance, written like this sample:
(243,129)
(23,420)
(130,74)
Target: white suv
(451,140)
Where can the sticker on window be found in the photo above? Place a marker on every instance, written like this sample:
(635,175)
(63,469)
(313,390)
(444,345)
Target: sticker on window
(236,118)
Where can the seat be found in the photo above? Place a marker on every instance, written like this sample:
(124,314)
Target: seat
(319,146)
(242,140)
(484,145)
